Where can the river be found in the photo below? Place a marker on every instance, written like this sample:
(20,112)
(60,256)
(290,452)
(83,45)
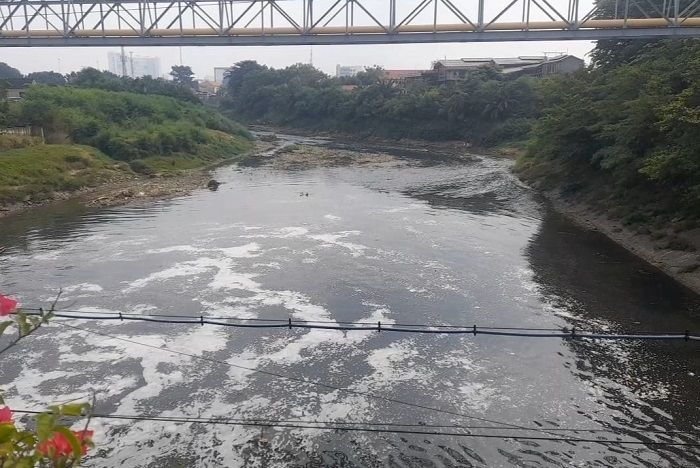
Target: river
(416,237)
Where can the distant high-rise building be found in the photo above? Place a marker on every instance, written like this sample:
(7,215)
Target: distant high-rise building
(133,65)
(220,74)
(346,71)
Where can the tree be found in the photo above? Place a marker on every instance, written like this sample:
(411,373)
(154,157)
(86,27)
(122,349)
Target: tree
(610,53)
(237,74)
(370,76)
(92,78)
(47,77)
(183,75)
(7,71)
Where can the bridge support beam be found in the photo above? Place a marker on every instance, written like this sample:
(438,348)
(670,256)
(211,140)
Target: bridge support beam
(354,39)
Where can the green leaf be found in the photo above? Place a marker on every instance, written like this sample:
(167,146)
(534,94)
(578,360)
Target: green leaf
(7,432)
(44,425)
(74,409)
(22,324)
(72,440)
(4,326)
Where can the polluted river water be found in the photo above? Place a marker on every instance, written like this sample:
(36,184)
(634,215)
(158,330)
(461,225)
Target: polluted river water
(408,236)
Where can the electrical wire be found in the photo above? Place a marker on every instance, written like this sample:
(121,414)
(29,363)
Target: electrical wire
(336,427)
(370,423)
(276,319)
(377,326)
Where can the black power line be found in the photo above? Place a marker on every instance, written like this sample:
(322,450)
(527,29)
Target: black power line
(221,420)
(348,428)
(367,326)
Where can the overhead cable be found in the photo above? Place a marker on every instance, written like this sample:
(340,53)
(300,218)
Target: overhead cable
(473,330)
(348,428)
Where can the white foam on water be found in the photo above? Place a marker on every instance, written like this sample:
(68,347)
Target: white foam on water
(195,342)
(393,364)
(280,233)
(174,248)
(226,278)
(48,256)
(178,270)
(83,287)
(242,251)
(477,396)
(334,239)
(332,217)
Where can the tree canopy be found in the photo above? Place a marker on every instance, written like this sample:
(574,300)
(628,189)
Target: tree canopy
(483,108)
(626,135)
(183,75)
(7,72)
(47,78)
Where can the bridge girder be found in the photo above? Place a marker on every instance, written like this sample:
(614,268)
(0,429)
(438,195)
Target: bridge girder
(45,23)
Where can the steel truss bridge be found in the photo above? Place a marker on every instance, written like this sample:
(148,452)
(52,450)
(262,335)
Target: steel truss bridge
(43,23)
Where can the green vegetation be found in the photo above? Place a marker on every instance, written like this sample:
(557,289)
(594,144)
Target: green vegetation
(10,141)
(625,136)
(97,135)
(36,172)
(95,79)
(484,108)
(158,131)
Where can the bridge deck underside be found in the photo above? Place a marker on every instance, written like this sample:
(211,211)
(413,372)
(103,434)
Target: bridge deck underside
(297,22)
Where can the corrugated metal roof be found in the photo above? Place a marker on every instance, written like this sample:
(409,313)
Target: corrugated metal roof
(521,61)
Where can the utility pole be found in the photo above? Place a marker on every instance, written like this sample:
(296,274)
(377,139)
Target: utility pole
(131,63)
(123,58)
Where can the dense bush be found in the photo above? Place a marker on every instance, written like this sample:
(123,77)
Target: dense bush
(125,126)
(96,79)
(626,133)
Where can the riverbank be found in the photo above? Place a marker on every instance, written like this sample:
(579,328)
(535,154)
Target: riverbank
(457,148)
(124,187)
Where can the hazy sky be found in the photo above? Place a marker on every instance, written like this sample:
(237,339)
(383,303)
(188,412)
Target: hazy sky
(408,56)
(204,59)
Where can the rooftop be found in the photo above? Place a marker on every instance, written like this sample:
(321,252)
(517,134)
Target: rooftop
(520,61)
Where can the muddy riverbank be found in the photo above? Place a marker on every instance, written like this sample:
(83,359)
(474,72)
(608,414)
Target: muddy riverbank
(134,188)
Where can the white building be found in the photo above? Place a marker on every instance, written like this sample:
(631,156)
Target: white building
(346,71)
(219,74)
(133,65)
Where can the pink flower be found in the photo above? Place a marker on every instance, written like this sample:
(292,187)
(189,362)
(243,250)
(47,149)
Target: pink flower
(58,445)
(7,305)
(5,415)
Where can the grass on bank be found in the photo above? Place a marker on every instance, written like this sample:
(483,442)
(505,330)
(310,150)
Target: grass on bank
(219,147)
(96,136)
(36,172)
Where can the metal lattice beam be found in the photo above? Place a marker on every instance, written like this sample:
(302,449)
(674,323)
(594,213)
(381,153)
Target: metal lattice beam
(295,22)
